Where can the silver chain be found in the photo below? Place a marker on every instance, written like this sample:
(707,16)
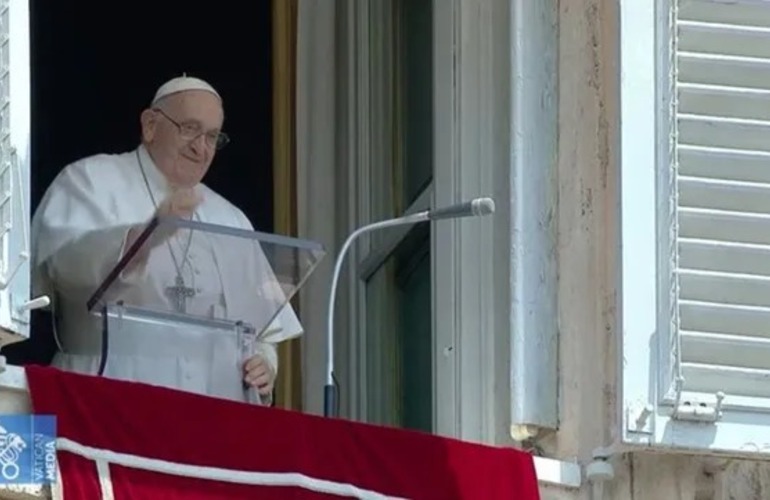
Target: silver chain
(155,204)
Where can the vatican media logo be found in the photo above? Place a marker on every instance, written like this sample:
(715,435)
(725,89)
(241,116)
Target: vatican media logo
(28,449)
(11,447)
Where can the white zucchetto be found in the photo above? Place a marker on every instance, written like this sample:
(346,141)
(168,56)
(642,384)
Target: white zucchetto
(181,84)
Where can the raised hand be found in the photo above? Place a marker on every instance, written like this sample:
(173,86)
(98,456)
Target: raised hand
(180,203)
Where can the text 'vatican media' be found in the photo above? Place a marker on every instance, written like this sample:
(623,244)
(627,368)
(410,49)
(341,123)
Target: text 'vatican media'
(28,449)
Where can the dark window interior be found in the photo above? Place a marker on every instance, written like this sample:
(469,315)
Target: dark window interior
(97,64)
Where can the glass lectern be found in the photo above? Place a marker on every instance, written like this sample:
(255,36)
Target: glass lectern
(189,301)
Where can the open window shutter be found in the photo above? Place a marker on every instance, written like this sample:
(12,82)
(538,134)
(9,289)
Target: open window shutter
(723,200)
(14,170)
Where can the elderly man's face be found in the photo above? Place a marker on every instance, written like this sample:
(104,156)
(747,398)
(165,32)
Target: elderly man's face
(181,134)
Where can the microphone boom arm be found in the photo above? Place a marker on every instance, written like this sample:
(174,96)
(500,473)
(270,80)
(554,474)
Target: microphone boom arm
(330,392)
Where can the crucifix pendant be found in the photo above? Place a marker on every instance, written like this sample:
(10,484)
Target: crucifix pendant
(179,293)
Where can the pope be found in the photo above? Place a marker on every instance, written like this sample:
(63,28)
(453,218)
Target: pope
(97,207)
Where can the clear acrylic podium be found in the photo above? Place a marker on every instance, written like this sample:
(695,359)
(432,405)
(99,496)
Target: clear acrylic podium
(189,301)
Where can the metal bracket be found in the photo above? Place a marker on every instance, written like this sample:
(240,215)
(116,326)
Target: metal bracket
(20,308)
(697,411)
(639,417)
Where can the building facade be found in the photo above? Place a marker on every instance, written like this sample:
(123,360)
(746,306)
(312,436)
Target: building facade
(609,317)
(555,325)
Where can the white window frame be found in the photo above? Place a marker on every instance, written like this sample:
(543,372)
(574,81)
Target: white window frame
(654,413)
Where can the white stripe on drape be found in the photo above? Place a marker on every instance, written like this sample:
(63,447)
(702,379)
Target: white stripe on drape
(288,479)
(57,488)
(105,480)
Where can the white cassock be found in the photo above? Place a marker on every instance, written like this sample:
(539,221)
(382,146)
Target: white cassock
(78,236)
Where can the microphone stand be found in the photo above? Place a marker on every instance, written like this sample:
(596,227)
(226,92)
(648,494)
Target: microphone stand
(473,208)
(330,389)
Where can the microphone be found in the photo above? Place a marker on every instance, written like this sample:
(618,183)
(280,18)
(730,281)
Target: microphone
(473,208)
(478,207)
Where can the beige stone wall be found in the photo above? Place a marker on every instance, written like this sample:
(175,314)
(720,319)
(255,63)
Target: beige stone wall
(588,217)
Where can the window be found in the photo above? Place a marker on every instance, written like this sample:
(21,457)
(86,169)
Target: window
(399,335)
(414,330)
(696,224)
(414,25)
(396,272)
(14,170)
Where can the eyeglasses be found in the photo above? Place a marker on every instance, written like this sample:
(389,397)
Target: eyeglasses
(191,131)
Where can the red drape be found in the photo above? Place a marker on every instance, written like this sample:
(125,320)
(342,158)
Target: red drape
(289,454)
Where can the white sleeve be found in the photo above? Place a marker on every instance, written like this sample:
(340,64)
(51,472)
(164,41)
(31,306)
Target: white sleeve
(75,241)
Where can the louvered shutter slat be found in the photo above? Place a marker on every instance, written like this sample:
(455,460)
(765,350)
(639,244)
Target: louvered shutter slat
(734,227)
(724,195)
(714,69)
(725,257)
(732,102)
(723,39)
(723,132)
(725,288)
(707,162)
(723,318)
(732,350)
(748,13)
(733,381)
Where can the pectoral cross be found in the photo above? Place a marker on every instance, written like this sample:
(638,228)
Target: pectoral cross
(179,293)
